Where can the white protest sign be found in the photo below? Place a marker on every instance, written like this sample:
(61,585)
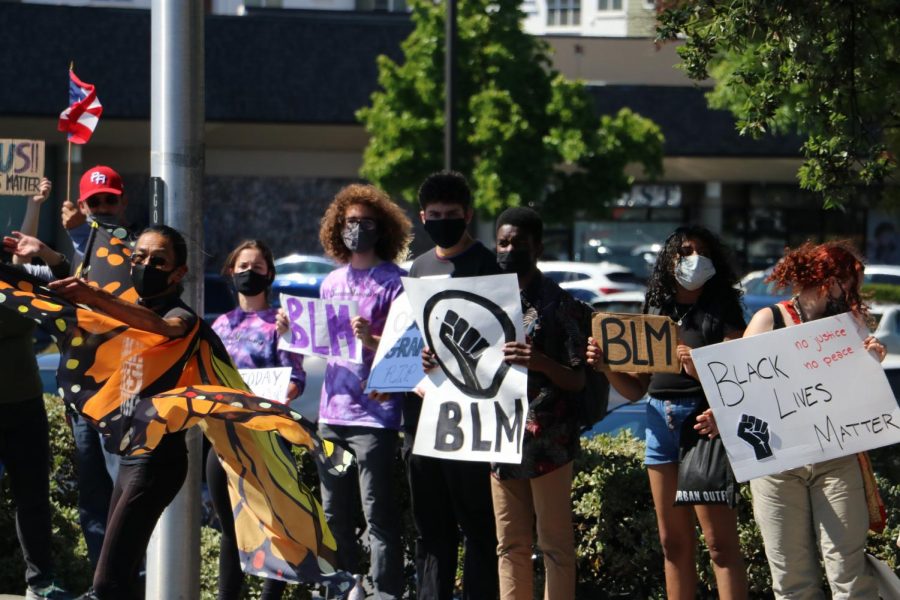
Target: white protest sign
(397,366)
(479,404)
(21,166)
(797,396)
(321,328)
(268,383)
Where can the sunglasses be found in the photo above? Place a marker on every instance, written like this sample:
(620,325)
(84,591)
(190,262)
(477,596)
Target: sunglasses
(688,250)
(94,201)
(364,223)
(153,261)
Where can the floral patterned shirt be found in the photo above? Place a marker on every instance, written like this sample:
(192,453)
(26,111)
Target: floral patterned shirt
(555,323)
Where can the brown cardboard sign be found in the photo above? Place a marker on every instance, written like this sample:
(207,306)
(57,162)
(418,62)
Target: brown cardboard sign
(637,343)
(21,167)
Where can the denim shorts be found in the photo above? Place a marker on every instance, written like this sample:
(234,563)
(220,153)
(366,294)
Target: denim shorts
(664,421)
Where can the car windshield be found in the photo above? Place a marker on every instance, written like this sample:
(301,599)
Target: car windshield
(881,278)
(759,287)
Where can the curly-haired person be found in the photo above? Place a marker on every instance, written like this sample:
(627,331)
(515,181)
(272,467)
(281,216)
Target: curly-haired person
(693,284)
(367,232)
(820,506)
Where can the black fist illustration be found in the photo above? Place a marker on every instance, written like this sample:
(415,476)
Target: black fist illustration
(465,343)
(755,432)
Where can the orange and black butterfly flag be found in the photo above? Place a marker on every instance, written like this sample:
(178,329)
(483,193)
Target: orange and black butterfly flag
(135,387)
(107,258)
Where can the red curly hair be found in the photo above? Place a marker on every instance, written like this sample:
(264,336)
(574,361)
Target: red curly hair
(394,227)
(819,266)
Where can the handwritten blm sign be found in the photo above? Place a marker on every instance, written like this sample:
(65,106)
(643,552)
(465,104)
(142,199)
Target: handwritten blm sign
(398,361)
(270,383)
(21,166)
(477,407)
(797,396)
(636,343)
(321,328)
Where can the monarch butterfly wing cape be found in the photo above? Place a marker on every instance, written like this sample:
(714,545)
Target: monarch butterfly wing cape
(107,256)
(136,386)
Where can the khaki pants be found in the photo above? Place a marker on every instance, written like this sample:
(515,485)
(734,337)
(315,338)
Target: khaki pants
(820,506)
(517,504)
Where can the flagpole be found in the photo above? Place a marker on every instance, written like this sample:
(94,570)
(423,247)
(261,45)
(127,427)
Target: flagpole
(69,161)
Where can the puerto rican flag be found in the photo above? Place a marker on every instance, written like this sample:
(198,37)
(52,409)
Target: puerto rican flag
(80,119)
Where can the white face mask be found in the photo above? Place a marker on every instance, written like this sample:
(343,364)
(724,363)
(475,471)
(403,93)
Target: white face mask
(693,271)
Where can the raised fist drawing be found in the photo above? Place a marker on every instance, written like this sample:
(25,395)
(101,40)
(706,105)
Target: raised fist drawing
(755,432)
(466,345)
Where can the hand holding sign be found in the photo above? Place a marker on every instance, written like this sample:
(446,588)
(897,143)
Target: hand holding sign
(755,432)
(636,343)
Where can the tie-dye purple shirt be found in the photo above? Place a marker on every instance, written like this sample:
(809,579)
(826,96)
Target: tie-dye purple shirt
(252,342)
(343,401)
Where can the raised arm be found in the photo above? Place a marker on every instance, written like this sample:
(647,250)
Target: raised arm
(77,290)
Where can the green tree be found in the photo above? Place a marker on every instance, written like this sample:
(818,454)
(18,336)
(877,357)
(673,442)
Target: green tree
(525,135)
(828,69)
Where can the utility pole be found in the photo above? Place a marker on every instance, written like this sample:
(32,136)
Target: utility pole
(176,169)
(450,85)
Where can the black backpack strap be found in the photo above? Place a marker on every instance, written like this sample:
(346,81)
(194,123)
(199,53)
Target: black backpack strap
(777,317)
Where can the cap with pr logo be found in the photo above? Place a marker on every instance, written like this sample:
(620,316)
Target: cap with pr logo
(98,180)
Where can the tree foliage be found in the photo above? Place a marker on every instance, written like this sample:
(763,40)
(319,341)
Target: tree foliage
(828,69)
(525,135)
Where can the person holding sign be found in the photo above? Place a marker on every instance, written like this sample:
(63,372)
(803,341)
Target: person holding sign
(449,496)
(537,492)
(250,336)
(367,232)
(693,284)
(822,504)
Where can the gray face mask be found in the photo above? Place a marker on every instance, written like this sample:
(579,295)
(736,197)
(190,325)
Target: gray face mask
(358,239)
(693,271)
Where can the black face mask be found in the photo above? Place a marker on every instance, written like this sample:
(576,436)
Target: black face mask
(250,283)
(516,261)
(836,306)
(357,239)
(149,281)
(446,233)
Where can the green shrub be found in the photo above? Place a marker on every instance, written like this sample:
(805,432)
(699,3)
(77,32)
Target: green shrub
(887,293)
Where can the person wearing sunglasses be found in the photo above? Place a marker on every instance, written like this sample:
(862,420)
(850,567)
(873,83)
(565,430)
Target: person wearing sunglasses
(693,283)
(101,196)
(145,483)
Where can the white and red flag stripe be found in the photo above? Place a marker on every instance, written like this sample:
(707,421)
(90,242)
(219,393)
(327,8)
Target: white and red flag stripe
(80,119)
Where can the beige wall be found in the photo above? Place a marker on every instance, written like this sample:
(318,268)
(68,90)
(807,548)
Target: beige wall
(629,61)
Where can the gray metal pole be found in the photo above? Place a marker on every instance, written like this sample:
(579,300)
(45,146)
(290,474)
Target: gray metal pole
(176,166)
(450,85)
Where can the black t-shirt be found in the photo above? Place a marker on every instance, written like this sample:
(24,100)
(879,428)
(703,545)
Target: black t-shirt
(171,446)
(703,323)
(473,261)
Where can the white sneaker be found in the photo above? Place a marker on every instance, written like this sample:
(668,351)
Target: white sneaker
(358,592)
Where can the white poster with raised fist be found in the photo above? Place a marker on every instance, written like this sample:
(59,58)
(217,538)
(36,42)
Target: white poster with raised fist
(477,407)
(797,396)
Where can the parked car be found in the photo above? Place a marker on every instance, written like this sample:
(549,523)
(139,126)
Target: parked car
(604,277)
(300,275)
(630,416)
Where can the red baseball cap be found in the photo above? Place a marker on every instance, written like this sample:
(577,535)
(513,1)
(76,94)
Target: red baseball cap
(97,180)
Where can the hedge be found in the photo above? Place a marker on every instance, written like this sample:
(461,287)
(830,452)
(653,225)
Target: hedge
(618,549)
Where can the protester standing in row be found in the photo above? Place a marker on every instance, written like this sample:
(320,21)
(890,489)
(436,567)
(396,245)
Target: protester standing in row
(249,334)
(366,232)
(101,196)
(450,495)
(146,483)
(24,431)
(820,506)
(537,492)
(693,284)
